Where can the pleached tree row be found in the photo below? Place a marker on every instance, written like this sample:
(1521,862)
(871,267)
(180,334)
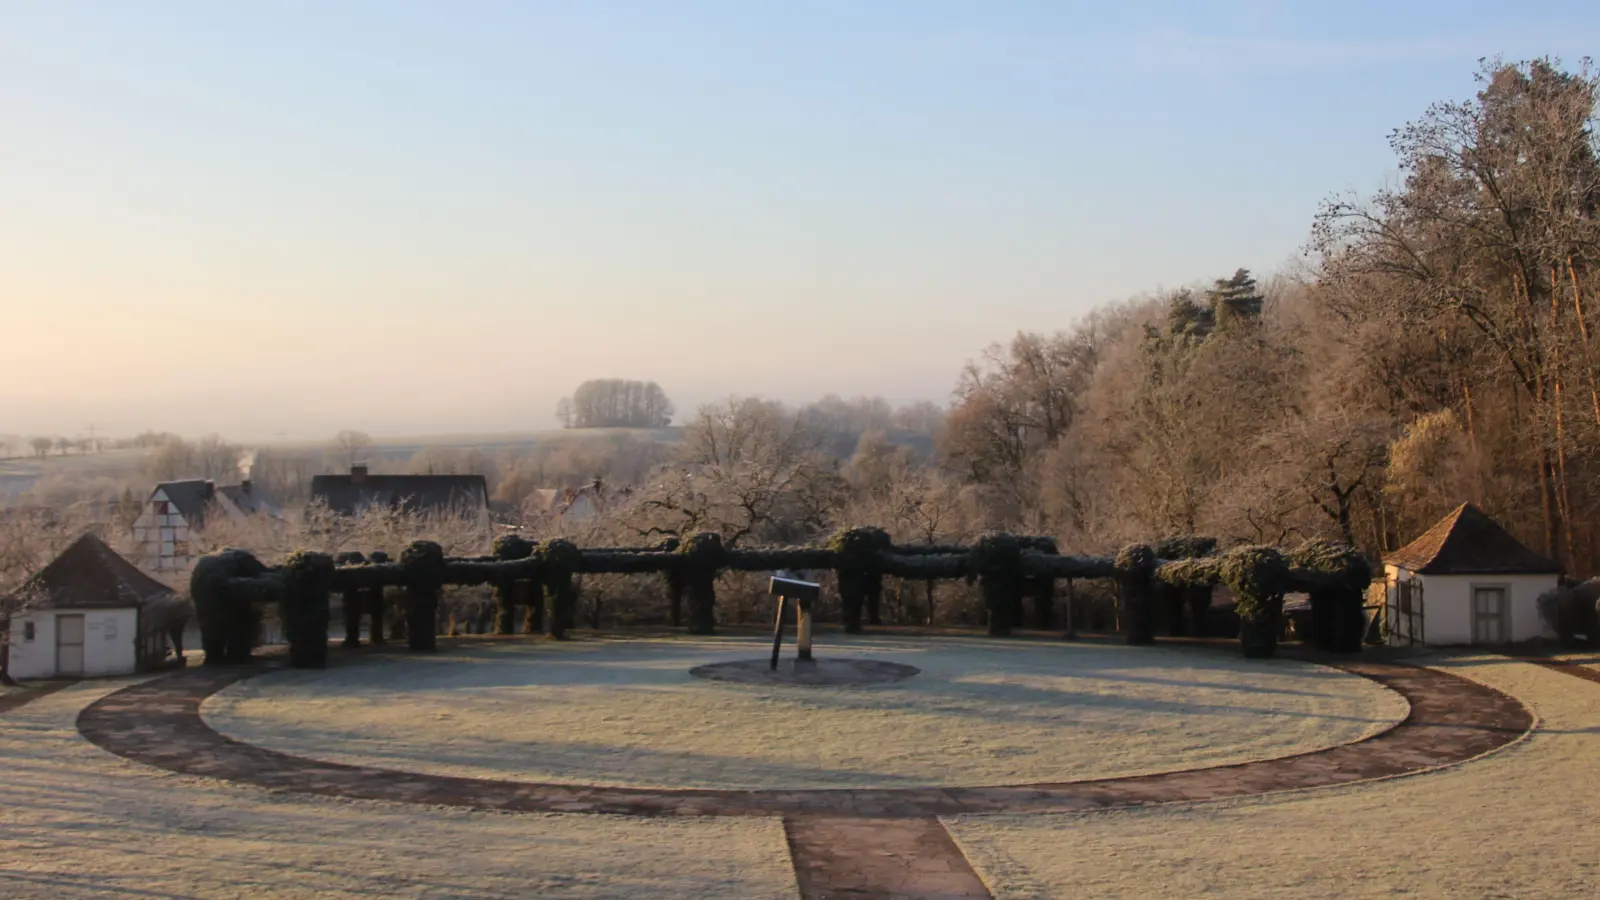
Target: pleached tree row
(231,589)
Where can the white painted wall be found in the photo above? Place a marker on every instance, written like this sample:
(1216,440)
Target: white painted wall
(110,642)
(1447,604)
(162,538)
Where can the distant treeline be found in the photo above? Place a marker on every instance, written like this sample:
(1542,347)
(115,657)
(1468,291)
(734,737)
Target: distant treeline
(615,403)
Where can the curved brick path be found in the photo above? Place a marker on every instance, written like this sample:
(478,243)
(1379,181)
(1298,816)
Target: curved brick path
(843,843)
(1452,719)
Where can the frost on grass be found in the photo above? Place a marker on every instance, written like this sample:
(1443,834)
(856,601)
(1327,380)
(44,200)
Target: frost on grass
(628,713)
(78,822)
(1521,822)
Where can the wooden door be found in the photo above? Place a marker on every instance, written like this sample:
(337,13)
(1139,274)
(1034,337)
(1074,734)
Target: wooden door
(1489,615)
(69,645)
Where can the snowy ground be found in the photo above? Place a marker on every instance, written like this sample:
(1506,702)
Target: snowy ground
(76,822)
(1523,822)
(628,713)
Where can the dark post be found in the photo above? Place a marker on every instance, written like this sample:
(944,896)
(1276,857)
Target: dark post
(1135,567)
(376,603)
(777,631)
(423,563)
(350,599)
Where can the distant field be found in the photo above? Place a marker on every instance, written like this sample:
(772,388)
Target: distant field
(392,445)
(19,473)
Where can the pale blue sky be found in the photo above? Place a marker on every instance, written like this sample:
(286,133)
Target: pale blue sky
(417,217)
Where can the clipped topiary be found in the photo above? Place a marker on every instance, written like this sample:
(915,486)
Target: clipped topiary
(303,607)
(559,560)
(508,547)
(1338,576)
(996,559)
(858,561)
(1136,566)
(1258,577)
(424,567)
(702,557)
(229,621)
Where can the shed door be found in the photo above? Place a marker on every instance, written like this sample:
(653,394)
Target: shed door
(69,645)
(1489,616)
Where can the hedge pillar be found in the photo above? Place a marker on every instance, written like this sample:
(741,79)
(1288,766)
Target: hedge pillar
(228,618)
(997,559)
(423,564)
(508,547)
(303,607)
(559,561)
(1258,577)
(1041,587)
(701,558)
(1136,565)
(858,562)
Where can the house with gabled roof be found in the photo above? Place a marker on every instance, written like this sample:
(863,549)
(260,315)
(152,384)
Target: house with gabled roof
(466,496)
(1468,581)
(177,511)
(89,612)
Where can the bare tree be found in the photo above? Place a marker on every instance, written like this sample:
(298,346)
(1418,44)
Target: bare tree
(352,446)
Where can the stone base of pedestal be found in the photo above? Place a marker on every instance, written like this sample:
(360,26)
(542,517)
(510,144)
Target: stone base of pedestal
(810,673)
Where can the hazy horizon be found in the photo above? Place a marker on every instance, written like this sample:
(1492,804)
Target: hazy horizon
(408,219)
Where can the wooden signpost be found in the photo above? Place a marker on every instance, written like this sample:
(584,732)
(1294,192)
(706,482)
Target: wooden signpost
(787,586)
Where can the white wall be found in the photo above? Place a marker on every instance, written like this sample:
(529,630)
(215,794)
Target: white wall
(110,642)
(1447,604)
(163,538)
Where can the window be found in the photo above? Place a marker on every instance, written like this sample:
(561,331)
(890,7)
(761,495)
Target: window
(161,507)
(27,632)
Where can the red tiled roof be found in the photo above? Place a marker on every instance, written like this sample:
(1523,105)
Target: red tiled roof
(1468,542)
(89,575)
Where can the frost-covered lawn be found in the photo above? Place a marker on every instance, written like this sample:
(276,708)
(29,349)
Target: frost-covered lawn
(1523,822)
(78,822)
(628,713)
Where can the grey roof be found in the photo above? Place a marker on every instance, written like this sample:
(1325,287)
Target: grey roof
(411,493)
(191,497)
(249,501)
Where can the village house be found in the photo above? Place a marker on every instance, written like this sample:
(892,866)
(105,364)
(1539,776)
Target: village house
(466,496)
(89,612)
(177,511)
(1466,580)
(575,504)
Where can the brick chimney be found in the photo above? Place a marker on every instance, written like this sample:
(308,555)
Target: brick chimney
(358,473)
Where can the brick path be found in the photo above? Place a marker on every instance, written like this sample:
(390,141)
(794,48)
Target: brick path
(1452,720)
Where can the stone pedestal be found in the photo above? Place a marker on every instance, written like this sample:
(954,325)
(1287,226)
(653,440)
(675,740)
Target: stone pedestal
(803,636)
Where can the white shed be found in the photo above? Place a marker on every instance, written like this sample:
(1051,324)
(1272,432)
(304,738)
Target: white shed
(1466,580)
(89,612)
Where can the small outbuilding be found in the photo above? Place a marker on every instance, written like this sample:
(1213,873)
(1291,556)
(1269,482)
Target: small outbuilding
(90,612)
(1466,580)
